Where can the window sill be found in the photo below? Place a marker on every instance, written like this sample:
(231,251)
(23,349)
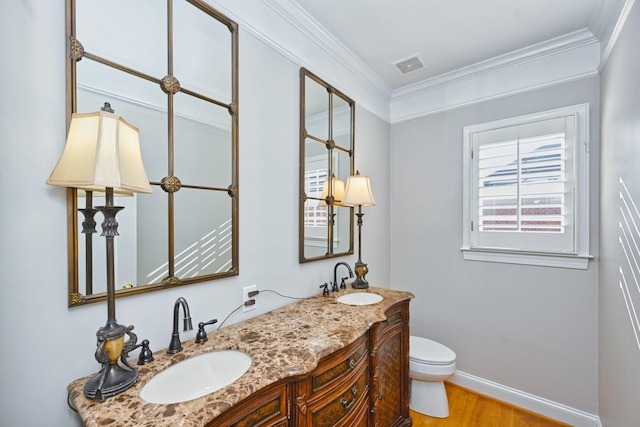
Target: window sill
(578,262)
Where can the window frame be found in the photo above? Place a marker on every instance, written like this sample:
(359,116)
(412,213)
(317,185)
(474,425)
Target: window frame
(577,259)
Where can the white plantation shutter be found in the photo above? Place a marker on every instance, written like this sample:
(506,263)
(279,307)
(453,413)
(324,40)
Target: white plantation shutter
(521,185)
(315,215)
(524,184)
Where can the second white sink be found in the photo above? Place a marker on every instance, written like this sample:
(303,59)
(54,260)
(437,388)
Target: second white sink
(196,377)
(360,298)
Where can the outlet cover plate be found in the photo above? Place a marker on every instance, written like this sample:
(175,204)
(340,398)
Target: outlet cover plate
(245,298)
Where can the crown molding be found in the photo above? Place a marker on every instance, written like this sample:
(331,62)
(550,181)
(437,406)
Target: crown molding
(609,34)
(607,17)
(286,27)
(564,59)
(297,17)
(531,53)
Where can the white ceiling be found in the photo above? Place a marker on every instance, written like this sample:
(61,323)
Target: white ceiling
(448,34)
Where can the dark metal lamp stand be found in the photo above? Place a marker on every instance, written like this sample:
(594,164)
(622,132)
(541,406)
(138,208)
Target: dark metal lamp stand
(88,228)
(113,378)
(360,268)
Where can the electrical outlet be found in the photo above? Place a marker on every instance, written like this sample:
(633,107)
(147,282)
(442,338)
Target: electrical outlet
(245,298)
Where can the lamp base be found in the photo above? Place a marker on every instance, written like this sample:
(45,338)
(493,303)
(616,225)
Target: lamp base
(361,270)
(113,378)
(116,380)
(360,283)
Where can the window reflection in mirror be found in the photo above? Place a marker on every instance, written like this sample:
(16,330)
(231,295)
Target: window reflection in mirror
(177,81)
(326,161)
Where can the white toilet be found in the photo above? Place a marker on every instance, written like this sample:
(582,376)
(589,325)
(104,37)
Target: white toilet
(430,363)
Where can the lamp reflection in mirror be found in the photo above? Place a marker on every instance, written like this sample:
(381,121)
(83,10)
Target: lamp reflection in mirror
(102,153)
(89,228)
(337,192)
(358,193)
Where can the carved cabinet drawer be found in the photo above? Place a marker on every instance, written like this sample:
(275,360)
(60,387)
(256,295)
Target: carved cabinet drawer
(336,392)
(360,417)
(333,369)
(266,408)
(341,408)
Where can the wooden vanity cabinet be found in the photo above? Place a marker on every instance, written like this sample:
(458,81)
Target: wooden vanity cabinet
(305,379)
(365,384)
(389,366)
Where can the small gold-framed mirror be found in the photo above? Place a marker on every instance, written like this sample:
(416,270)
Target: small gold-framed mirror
(327,155)
(171,68)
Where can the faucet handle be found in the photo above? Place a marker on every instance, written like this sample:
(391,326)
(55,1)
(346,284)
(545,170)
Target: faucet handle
(325,289)
(146,355)
(343,284)
(201,336)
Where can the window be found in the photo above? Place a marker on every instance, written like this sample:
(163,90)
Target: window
(526,189)
(315,214)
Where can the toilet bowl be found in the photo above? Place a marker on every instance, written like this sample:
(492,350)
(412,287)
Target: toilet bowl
(430,363)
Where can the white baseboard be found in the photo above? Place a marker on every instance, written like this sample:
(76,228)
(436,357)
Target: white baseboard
(526,401)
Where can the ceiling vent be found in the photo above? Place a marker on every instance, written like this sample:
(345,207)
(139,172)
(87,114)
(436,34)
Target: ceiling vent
(409,65)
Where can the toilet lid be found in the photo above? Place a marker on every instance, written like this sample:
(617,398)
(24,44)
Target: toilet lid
(423,350)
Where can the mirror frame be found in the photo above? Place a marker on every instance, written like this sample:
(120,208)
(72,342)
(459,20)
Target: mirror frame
(331,146)
(75,52)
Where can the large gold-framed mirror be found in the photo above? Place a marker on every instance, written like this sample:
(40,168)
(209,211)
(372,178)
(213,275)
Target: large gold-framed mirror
(171,69)
(327,155)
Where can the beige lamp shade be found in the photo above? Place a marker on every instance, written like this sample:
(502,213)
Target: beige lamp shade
(337,190)
(358,192)
(102,150)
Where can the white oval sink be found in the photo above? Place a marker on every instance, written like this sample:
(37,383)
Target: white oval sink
(360,298)
(196,377)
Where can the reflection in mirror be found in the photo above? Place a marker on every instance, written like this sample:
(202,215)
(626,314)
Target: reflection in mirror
(326,161)
(93,274)
(176,79)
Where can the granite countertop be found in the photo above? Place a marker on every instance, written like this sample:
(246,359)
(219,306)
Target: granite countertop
(285,342)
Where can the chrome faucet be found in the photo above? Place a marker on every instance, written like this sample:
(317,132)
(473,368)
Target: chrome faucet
(175,345)
(334,284)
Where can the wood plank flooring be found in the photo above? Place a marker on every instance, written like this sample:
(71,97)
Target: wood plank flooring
(467,408)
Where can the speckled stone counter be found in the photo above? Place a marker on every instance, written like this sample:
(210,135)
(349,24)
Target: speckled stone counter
(283,343)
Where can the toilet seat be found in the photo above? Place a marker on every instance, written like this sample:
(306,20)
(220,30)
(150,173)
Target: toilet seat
(426,351)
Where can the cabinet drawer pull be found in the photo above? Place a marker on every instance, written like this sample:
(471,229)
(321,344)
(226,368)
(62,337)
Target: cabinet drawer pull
(352,363)
(348,404)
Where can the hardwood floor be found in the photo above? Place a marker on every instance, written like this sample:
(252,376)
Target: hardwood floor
(467,408)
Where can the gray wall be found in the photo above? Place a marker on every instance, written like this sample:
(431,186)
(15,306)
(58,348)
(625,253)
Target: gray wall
(530,328)
(619,351)
(47,345)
